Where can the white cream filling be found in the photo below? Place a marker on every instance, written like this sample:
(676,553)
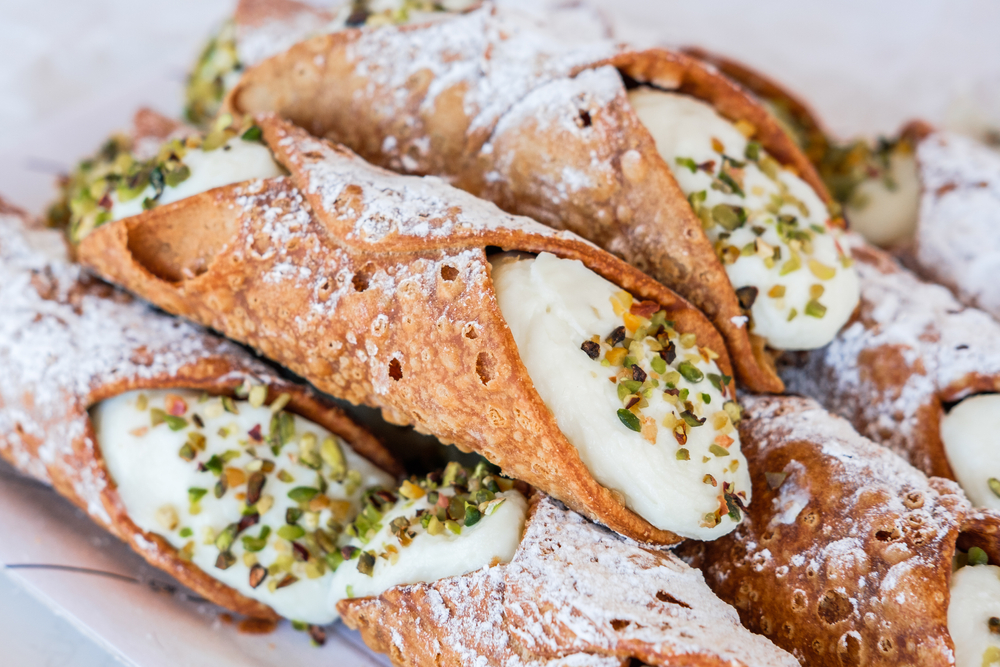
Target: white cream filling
(685,128)
(492,540)
(398,12)
(888,216)
(153,482)
(552,306)
(235,161)
(975,599)
(971,436)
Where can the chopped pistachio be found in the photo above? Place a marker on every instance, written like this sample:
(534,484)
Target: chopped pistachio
(728,216)
(717,450)
(291,533)
(690,372)
(166,516)
(793,264)
(257,395)
(776,292)
(820,270)
(815,309)
(994,485)
(333,456)
(224,540)
(255,544)
(978,557)
(302,494)
(629,420)
(280,402)
(683,455)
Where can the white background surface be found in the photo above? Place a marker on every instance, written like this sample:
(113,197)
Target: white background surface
(866,67)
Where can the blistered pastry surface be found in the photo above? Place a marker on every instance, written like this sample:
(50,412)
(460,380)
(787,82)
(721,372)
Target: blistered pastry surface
(68,341)
(364,283)
(538,127)
(572,590)
(911,347)
(845,555)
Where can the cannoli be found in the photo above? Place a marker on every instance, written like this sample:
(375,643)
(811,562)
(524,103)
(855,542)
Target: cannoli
(846,556)
(580,138)
(931,196)
(568,368)
(262,28)
(915,372)
(568,592)
(236,482)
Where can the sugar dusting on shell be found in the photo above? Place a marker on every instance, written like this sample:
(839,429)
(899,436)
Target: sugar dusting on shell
(923,341)
(63,335)
(499,56)
(874,538)
(576,590)
(382,206)
(958,233)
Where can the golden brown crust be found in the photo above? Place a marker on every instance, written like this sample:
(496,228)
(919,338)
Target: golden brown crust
(572,595)
(376,288)
(813,136)
(98,343)
(910,350)
(251,14)
(512,131)
(845,557)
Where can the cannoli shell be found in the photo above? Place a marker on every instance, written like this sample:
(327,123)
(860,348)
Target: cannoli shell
(540,131)
(572,592)
(806,127)
(267,27)
(69,341)
(845,557)
(910,350)
(376,288)
(956,242)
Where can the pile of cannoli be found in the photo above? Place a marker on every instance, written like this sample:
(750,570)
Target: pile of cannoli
(711,386)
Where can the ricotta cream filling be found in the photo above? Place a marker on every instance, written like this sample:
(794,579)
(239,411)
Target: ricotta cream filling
(884,210)
(771,231)
(971,436)
(974,615)
(421,556)
(235,161)
(676,470)
(397,12)
(184,466)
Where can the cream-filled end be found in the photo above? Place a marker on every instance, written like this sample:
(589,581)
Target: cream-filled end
(974,615)
(430,532)
(885,210)
(235,161)
(256,497)
(771,231)
(646,407)
(971,436)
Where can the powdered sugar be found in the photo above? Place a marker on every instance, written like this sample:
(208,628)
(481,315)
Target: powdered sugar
(63,336)
(958,234)
(497,56)
(384,207)
(926,345)
(577,590)
(600,589)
